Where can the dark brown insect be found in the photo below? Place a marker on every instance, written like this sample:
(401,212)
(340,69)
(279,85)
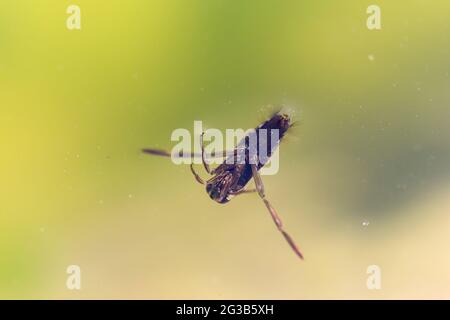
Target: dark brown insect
(230,178)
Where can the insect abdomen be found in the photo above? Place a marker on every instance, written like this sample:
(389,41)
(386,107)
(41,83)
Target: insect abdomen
(267,142)
(269,135)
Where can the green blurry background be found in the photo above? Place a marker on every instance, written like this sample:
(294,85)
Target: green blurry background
(365,178)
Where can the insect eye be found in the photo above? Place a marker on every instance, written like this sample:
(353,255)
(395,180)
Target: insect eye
(211,190)
(214,193)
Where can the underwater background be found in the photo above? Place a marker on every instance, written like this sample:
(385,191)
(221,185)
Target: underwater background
(364,178)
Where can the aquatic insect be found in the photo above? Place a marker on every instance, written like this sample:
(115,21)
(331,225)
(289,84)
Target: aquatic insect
(230,178)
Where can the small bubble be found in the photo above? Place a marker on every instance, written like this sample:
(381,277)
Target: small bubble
(365,223)
(371,57)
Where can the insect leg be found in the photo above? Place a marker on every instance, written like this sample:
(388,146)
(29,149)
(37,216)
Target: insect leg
(243,192)
(197,177)
(164,153)
(218,154)
(205,164)
(260,188)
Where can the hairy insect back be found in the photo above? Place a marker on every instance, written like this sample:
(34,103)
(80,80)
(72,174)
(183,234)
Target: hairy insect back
(269,135)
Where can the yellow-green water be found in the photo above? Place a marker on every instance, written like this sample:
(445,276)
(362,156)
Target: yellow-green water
(364,179)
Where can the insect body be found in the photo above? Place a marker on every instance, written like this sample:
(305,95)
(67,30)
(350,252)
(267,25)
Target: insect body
(243,164)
